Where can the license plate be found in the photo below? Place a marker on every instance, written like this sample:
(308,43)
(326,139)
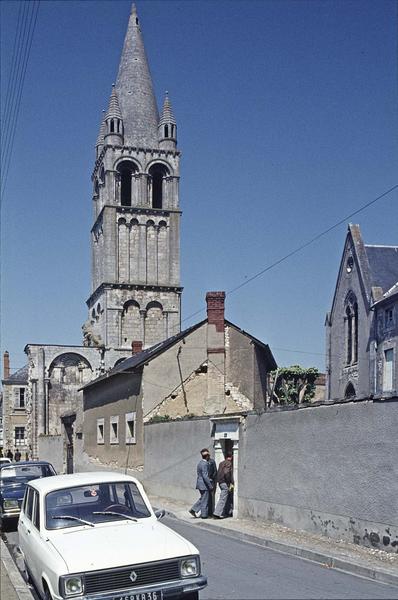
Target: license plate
(142,596)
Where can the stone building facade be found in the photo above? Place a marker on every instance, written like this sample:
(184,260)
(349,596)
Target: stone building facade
(213,368)
(15,414)
(135,236)
(362,326)
(135,242)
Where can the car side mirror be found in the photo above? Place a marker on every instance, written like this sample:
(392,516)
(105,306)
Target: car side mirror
(159,514)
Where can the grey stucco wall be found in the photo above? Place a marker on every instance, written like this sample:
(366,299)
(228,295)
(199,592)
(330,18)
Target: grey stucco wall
(165,369)
(113,398)
(327,469)
(172,451)
(51,448)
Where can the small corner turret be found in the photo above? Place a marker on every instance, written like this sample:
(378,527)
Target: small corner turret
(167,128)
(100,139)
(114,129)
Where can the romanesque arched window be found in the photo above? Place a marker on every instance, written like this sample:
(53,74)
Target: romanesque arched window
(157,172)
(154,325)
(131,323)
(125,171)
(351,328)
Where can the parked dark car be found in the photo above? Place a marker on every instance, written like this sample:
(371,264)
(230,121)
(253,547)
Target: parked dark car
(13,480)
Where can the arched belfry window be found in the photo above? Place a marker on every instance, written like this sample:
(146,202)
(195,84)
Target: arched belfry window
(157,172)
(351,328)
(126,169)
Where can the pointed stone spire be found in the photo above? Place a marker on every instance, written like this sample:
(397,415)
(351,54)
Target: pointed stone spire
(167,129)
(113,121)
(113,108)
(101,134)
(135,90)
(167,113)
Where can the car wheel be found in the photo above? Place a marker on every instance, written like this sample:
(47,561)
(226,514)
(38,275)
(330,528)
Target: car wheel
(47,595)
(191,596)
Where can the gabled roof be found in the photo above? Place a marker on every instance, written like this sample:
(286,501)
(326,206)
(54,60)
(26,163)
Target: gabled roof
(265,347)
(20,376)
(377,265)
(389,295)
(383,263)
(137,361)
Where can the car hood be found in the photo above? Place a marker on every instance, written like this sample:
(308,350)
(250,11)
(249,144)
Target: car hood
(109,545)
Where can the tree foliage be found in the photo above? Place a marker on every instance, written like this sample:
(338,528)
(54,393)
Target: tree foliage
(293,385)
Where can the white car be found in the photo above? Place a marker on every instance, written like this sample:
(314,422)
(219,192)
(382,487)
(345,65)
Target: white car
(94,536)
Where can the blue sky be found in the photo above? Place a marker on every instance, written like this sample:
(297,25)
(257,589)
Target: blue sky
(287,121)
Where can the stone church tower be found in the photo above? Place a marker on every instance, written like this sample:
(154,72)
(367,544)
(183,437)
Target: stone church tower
(135,238)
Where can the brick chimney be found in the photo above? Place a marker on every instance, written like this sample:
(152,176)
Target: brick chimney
(215,400)
(136,346)
(215,309)
(6,365)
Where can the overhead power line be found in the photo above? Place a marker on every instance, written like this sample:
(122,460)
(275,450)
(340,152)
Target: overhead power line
(26,24)
(299,248)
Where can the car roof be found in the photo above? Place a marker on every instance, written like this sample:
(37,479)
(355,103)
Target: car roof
(26,462)
(59,482)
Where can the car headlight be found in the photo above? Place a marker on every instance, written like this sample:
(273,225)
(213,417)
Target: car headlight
(189,567)
(10,504)
(72,585)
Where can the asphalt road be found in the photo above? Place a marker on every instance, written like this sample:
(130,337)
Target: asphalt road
(240,570)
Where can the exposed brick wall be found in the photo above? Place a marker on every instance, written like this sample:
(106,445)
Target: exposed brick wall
(215,309)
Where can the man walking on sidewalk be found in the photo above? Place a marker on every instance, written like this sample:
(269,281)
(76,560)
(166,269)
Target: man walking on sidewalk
(204,485)
(225,480)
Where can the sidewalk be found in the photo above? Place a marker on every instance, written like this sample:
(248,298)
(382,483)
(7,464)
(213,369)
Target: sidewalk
(12,586)
(337,554)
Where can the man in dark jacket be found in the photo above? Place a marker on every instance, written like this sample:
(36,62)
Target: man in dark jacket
(204,485)
(225,479)
(212,469)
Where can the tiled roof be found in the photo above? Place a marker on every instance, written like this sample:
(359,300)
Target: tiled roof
(20,376)
(138,360)
(383,263)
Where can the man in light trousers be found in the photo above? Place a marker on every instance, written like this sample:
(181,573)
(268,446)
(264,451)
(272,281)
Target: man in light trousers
(225,480)
(204,485)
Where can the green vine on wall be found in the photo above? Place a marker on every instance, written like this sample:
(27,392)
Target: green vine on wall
(293,385)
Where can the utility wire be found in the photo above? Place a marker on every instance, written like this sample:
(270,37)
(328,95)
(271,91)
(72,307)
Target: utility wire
(298,249)
(11,116)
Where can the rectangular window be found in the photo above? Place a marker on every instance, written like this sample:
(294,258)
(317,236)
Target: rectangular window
(130,428)
(388,318)
(19,398)
(388,370)
(114,430)
(19,436)
(100,431)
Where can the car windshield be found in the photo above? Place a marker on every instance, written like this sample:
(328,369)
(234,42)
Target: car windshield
(92,504)
(23,473)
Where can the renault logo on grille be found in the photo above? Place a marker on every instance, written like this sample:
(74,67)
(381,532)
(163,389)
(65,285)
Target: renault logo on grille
(133,576)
